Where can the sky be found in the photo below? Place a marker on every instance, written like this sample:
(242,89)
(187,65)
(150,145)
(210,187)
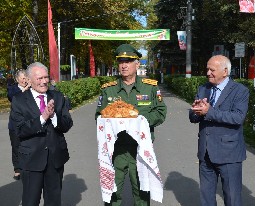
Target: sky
(143,51)
(142,20)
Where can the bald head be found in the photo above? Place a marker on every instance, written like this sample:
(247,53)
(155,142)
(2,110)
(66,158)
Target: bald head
(218,69)
(223,62)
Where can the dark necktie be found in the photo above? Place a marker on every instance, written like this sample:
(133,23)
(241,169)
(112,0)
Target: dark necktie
(42,103)
(212,98)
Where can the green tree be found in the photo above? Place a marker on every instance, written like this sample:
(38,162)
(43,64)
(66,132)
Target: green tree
(99,14)
(217,22)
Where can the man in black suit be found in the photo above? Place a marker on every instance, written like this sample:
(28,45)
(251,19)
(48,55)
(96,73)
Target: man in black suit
(41,117)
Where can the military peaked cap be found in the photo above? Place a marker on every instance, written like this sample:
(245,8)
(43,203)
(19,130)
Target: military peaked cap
(127,52)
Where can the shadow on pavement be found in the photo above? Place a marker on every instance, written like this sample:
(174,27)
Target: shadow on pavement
(11,194)
(248,199)
(185,189)
(73,187)
(250,149)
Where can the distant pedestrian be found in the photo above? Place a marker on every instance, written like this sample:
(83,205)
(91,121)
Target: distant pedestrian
(220,109)
(41,118)
(14,88)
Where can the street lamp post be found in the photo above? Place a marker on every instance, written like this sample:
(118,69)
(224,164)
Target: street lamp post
(189,38)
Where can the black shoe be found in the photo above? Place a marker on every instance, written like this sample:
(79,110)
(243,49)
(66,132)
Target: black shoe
(16,177)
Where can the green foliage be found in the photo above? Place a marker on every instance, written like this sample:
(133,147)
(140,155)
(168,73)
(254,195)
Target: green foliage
(3,89)
(250,117)
(3,92)
(11,13)
(65,67)
(105,14)
(79,90)
(154,76)
(216,23)
(105,79)
(186,88)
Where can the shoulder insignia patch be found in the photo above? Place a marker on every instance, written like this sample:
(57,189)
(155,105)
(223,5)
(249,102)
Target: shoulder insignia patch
(150,81)
(108,84)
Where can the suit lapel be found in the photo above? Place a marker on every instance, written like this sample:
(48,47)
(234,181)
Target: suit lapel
(32,103)
(225,92)
(207,91)
(49,96)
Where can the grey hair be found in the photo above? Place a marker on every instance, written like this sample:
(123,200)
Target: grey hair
(33,65)
(19,72)
(137,61)
(224,62)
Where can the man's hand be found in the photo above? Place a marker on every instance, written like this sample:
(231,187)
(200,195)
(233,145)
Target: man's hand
(26,87)
(49,110)
(200,107)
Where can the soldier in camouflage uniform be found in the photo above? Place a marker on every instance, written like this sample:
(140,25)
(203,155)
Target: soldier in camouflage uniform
(145,95)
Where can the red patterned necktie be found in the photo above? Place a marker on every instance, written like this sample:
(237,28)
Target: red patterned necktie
(42,103)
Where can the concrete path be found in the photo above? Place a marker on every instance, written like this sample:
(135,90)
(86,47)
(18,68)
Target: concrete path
(175,147)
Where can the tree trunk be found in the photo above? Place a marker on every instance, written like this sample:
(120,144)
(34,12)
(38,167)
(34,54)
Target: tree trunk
(35,12)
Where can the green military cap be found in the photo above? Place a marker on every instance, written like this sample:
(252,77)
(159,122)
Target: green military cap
(127,52)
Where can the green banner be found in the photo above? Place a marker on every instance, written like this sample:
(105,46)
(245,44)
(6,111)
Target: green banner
(99,34)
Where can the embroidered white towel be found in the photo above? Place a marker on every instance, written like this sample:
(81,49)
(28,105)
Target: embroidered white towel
(147,168)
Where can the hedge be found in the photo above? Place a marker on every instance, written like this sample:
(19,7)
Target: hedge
(79,90)
(186,88)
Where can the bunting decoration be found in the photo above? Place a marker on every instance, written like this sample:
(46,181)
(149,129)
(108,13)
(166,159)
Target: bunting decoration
(247,6)
(53,50)
(92,65)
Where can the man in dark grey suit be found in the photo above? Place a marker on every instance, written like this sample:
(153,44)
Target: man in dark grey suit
(41,117)
(220,108)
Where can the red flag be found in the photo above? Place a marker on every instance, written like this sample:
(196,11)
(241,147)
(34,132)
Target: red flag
(251,69)
(247,6)
(53,50)
(91,61)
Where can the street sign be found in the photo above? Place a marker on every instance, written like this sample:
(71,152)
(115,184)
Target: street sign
(240,49)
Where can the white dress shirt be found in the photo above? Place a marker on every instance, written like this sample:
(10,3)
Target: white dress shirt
(220,87)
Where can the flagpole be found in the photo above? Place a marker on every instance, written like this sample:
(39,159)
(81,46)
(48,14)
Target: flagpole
(59,51)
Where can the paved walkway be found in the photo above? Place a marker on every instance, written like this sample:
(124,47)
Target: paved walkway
(175,147)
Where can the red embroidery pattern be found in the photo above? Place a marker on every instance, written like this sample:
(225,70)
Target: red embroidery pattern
(101,128)
(143,136)
(158,174)
(106,178)
(109,137)
(146,153)
(149,156)
(105,149)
